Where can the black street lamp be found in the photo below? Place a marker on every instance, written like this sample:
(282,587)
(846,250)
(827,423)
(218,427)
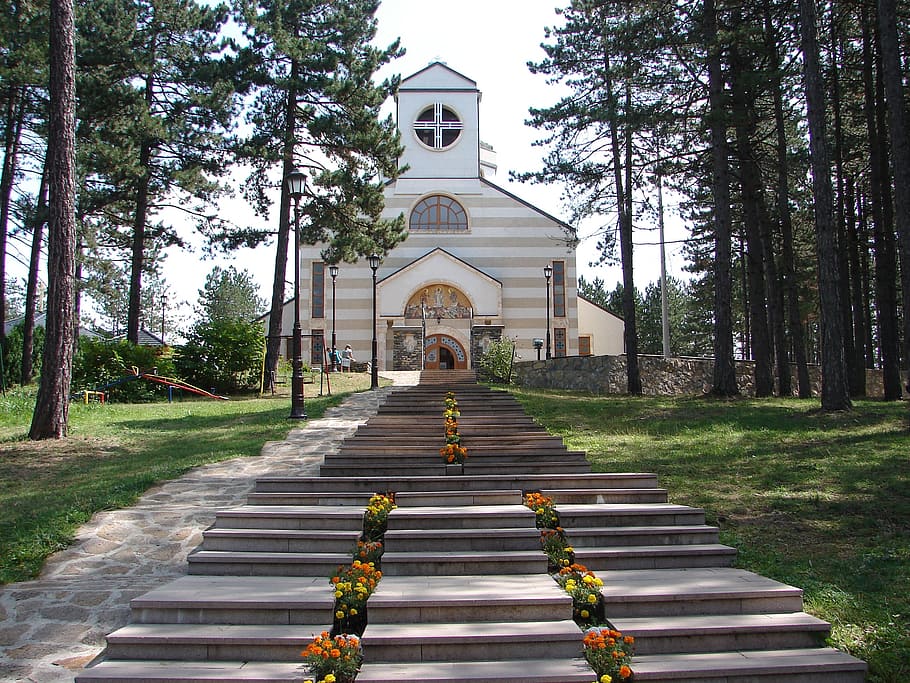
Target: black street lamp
(296,183)
(333,271)
(163,311)
(548,273)
(374,369)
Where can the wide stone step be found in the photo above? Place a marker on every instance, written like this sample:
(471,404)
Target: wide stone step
(471,641)
(416,456)
(620,514)
(802,665)
(415,451)
(281,540)
(614,495)
(624,536)
(229,563)
(464,562)
(308,499)
(391,471)
(656,557)
(468,598)
(290,517)
(489,540)
(212,642)
(237,600)
(409,429)
(472,467)
(672,592)
(523,482)
(718,633)
(492,439)
(462,517)
(125,671)
(454,498)
(524,671)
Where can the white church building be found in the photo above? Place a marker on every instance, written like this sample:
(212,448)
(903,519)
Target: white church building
(472,268)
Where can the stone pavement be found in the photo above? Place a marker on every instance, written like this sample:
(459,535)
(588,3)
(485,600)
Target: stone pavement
(51,627)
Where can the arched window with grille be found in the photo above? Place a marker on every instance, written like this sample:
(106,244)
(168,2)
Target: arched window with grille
(438,213)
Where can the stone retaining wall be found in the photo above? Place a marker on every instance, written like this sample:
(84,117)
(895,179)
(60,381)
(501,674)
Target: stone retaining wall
(659,376)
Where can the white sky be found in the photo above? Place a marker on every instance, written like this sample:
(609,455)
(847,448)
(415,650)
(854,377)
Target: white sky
(489,41)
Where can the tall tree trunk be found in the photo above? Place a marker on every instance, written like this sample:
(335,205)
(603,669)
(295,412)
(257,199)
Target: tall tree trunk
(137,246)
(835,391)
(276,311)
(900,149)
(745,334)
(749,179)
(31,288)
(885,275)
(724,380)
(865,269)
(854,382)
(15,115)
(775,299)
(789,290)
(857,305)
(633,374)
(52,404)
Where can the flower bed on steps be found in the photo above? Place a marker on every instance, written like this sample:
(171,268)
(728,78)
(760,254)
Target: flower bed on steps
(607,651)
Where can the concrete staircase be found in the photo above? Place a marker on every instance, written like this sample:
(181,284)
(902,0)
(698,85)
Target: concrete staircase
(465,596)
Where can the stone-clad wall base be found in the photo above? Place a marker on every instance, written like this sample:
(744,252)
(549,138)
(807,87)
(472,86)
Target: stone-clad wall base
(659,376)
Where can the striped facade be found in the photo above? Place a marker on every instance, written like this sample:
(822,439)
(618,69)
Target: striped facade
(472,267)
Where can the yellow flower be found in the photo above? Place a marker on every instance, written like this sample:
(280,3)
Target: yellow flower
(592,598)
(606,678)
(585,614)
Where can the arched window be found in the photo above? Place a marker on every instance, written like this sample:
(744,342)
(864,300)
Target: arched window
(438,213)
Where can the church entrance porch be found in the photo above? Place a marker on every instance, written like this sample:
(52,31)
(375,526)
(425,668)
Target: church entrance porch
(443,352)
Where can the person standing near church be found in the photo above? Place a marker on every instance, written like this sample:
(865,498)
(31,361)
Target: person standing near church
(347,357)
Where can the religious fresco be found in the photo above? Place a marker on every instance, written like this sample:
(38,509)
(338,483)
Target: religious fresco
(440,302)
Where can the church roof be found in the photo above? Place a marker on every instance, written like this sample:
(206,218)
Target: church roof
(529,205)
(427,79)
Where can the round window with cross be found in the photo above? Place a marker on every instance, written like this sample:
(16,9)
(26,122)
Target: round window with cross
(438,127)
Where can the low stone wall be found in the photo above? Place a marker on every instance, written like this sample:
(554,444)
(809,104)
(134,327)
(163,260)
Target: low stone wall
(659,376)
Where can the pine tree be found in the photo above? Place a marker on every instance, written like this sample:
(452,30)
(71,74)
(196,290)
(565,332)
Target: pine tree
(315,107)
(229,294)
(155,117)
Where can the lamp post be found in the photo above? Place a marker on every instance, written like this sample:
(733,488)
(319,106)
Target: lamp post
(296,184)
(548,273)
(333,271)
(163,311)
(374,369)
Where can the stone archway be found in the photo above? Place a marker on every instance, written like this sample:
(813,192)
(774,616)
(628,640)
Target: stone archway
(444,353)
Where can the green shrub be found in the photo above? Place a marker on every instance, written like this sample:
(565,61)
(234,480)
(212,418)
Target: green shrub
(224,355)
(496,363)
(101,365)
(12,355)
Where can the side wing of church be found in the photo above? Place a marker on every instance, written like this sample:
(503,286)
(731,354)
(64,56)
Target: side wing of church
(472,267)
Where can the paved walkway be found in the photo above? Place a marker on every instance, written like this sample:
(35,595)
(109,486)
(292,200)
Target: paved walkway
(51,627)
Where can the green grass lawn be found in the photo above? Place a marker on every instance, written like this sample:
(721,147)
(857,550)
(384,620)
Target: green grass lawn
(820,501)
(115,452)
